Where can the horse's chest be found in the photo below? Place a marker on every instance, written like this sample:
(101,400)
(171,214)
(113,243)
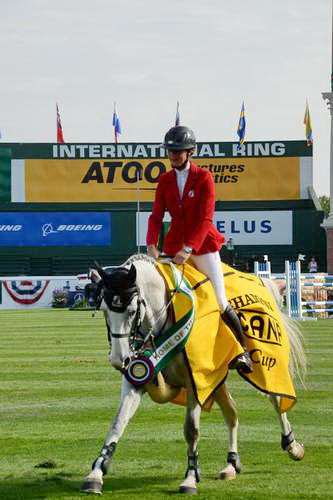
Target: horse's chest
(176,372)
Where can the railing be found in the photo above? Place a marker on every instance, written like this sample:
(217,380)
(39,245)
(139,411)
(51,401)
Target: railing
(301,303)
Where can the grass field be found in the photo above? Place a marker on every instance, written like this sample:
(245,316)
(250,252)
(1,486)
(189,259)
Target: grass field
(59,395)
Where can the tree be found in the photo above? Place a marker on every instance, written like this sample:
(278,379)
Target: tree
(325,204)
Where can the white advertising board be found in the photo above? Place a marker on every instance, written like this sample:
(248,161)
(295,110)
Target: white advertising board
(273,227)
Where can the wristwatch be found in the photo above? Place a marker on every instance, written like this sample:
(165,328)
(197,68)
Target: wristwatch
(187,249)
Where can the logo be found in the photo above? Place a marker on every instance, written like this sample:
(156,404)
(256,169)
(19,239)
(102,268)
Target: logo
(191,193)
(10,227)
(48,228)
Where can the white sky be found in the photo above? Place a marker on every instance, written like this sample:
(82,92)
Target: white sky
(147,54)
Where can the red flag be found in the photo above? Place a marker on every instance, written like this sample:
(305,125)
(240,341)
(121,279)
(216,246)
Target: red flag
(60,136)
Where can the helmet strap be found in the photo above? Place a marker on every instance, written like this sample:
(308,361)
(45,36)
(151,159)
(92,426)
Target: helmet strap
(189,153)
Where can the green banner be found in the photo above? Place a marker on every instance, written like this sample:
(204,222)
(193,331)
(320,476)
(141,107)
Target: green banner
(154,150)
(5,175)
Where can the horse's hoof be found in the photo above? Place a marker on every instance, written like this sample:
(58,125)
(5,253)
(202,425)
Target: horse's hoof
(188,490)
(228,473)
(296,451)
(92,487)
(189,485)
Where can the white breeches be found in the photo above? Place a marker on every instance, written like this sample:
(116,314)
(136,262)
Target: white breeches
(210,265)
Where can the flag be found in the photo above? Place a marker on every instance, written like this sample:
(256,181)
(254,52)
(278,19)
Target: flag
(241,126)
(116,124)
(177,121)
(60,136)
(308,128)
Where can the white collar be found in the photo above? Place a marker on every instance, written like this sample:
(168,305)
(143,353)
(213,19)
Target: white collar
(185,170)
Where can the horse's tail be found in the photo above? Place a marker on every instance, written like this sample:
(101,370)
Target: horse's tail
(297,361)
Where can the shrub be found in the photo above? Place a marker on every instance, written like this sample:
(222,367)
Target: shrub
(60,298)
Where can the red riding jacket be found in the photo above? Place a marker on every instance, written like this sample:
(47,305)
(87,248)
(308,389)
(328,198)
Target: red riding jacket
(191,217)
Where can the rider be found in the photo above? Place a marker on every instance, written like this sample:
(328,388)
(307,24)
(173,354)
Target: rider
(188,193)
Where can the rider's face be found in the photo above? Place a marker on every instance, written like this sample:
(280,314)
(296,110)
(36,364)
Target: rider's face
(178,159)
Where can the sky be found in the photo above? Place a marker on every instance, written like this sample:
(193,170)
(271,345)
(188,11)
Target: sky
(148,54)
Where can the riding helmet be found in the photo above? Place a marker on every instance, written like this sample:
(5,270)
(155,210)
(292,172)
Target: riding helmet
(179,138)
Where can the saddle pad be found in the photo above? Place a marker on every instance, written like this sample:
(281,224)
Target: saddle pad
(211,344)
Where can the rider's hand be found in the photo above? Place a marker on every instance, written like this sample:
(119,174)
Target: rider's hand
(181,257)
(153,252)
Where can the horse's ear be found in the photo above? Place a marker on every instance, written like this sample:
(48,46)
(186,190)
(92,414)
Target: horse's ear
(132,273)
(100,270)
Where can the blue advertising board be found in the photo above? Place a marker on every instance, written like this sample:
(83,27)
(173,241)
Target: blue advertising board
(35,229)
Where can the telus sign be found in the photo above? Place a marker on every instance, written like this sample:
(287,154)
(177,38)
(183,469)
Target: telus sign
(256,228)
(245,228)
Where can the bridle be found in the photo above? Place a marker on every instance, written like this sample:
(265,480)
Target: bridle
(118,289)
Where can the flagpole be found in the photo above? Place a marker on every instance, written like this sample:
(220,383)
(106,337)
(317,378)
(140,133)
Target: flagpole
(328,223)
(138,178)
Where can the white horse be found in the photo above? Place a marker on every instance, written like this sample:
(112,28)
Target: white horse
(135,301)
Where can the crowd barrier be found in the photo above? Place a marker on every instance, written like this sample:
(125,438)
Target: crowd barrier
(40,292)
(308,296)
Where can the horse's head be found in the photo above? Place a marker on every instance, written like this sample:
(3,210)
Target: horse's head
(124,309)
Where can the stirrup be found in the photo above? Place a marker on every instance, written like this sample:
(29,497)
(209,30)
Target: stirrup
(242,362)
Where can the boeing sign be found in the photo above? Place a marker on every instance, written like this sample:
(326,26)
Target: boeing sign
(55,229)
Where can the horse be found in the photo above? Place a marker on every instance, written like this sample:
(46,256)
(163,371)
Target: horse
(135,302)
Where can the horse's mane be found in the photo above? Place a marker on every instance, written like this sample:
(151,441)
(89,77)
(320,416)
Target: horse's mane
(139,257)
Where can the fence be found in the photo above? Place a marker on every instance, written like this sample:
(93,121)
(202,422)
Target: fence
(308,296)
(31,292)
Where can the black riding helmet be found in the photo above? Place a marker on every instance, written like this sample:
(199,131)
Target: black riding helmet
(179,138)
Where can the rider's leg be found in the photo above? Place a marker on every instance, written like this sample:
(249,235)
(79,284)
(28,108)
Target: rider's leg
(210,265)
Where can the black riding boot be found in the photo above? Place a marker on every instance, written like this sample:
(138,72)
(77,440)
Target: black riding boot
(243,361)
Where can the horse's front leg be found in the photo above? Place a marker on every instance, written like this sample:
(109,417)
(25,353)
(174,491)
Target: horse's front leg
(191,433)
(289,444)
(228,408)
(129,403)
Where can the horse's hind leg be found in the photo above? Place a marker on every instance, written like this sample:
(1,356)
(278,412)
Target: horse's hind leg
(289,444)
(228,408)
(130,400)
(191,433)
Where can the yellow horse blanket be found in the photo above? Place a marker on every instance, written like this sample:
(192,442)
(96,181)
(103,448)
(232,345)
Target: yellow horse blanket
(211,344)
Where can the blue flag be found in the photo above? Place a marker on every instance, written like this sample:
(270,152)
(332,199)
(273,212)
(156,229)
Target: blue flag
(241,126)
(116,123)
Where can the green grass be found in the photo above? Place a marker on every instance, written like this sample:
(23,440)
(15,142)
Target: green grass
(59,395)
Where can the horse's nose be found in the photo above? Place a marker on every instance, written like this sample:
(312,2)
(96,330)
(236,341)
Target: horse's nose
(116,361)
(120,365)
